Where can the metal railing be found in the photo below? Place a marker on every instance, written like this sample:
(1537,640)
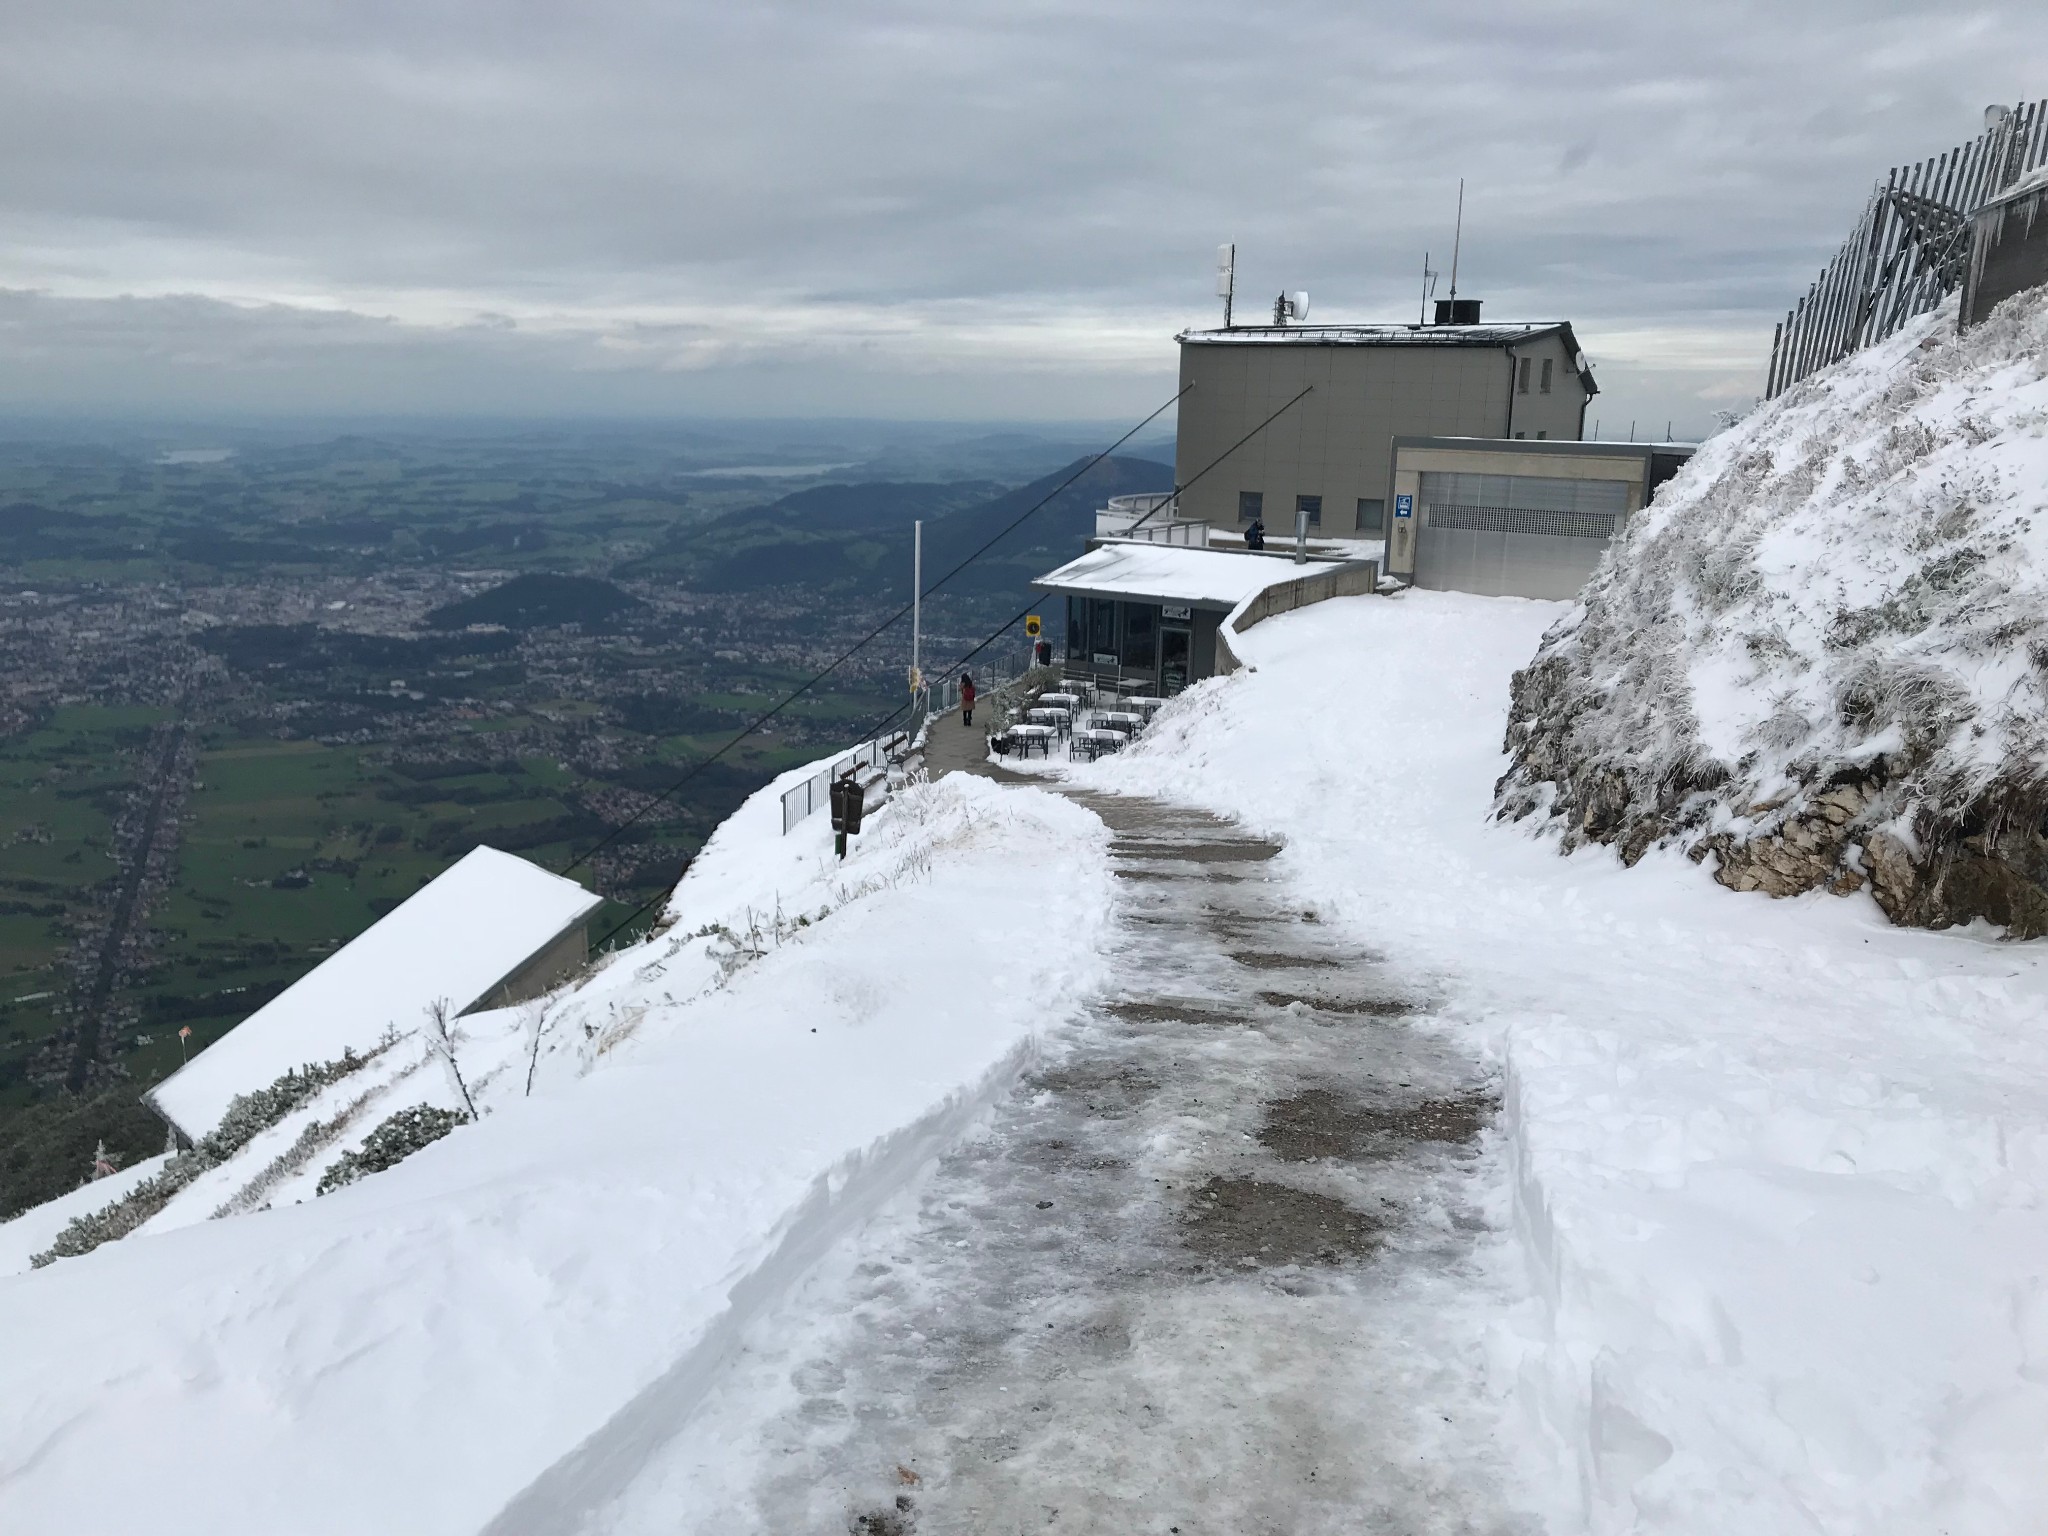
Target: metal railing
(943,697)
(1192,535)
(814,793)
(1908,251)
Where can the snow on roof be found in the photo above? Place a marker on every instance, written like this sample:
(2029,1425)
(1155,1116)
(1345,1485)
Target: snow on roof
(456,938)
(1201,578)
(1494,334)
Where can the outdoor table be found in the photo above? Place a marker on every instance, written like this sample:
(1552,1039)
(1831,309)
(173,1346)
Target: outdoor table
(1120,720)
(1059,719)
(1091,744)
(1147,705)
(1028,736)
(1066,701)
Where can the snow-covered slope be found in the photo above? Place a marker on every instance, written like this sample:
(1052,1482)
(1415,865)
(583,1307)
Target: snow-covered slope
(1780,1166)
(1822,653)
(28,1234)
(510,1316)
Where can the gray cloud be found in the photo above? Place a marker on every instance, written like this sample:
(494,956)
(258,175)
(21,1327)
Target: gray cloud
(963,208)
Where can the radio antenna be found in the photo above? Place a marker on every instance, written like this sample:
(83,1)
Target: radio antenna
(1458,239)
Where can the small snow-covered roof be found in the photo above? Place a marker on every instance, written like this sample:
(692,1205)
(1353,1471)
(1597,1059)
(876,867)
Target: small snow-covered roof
(1171,573)
(457,938)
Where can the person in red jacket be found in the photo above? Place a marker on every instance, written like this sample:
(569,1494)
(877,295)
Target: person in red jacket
(966,699)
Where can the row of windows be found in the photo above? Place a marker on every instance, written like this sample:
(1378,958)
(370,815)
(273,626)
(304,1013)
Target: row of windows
(1372,510)
(1522,376)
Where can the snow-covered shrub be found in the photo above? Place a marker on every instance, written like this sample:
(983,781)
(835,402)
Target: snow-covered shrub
(1821,655)
(391,1143)
(315,1138)
(247,1116)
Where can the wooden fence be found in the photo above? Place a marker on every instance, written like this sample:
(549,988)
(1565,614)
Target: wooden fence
(1908,250)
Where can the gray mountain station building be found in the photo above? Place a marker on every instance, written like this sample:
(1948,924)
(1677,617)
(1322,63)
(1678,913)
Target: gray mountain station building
(1330,453)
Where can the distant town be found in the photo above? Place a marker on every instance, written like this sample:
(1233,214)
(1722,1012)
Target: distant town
(250,701)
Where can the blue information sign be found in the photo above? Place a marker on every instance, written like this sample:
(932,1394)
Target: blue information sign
(1404,506)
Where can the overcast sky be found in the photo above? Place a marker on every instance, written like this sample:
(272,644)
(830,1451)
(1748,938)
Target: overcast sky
(950,210)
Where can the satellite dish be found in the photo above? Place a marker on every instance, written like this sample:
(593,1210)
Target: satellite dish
(1297,307)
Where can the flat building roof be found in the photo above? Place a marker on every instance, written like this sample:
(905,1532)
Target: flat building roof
(1498,333)
(453,940)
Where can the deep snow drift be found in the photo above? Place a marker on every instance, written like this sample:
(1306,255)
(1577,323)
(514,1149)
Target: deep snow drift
(499,1326)
(1822,653)
(1781,1166)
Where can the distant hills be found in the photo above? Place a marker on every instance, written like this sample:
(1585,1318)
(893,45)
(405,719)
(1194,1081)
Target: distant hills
(858,536)
(539,601)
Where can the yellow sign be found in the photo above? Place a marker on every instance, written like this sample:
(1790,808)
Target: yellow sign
(1031,625)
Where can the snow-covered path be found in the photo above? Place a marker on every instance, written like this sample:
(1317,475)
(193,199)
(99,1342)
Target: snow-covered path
(1209,1270)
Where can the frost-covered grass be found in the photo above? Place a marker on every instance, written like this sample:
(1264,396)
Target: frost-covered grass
(1778,1166)
(1847,589)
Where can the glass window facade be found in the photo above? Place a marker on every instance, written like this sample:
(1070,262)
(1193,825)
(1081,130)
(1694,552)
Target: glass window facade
(1127,634)
(1250,504)
(1313,506)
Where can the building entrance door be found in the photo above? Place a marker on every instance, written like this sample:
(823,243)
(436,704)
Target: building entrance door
(1175,646)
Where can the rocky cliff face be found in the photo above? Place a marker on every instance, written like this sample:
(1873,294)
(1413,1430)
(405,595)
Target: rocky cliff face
(1820,658)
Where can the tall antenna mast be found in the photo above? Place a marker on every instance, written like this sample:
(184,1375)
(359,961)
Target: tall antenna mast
(1458,239)
(1226,278)
(1428,288)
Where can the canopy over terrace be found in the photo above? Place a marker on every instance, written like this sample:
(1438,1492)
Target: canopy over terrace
(1145,615)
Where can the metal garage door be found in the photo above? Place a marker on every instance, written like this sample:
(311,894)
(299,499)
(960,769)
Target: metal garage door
(1514,535)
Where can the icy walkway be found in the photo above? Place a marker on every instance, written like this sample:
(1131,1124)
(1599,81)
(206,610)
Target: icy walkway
(1193,1278)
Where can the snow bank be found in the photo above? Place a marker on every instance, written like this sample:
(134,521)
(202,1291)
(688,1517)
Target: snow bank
(1822,653)
(1779,1167)
(497,1327)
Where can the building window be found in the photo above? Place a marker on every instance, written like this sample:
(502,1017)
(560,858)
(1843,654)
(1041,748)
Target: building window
(1522,377)
(1141,630)
(1546,373)
(1313,506)
(1541,436)
(1250,505)
(1372,514)
(1098,630)
(1520,435)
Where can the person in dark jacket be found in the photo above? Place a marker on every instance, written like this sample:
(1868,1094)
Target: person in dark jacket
(966,699)
(1255,535)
